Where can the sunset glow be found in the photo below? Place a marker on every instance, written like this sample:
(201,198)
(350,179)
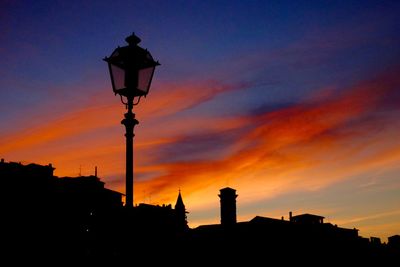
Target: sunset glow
(305,123)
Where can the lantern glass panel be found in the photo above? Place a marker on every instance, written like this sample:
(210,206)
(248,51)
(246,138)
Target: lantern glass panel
(145,77)
(118,77)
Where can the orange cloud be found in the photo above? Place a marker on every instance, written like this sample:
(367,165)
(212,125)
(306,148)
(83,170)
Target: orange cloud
(285,149)
(169,100)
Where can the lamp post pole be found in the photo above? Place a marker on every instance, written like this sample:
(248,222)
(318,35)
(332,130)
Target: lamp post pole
(131,70)
(129,121)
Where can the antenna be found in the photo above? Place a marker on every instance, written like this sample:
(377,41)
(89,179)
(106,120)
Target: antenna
(95,171)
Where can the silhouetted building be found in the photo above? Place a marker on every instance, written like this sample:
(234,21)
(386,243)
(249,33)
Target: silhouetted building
(29,171)
(180,211)
(394,241)
(49,213)
(25,178)
(376,241)
(307,219)
(87,192)
(228,206)
(162,219)
(303,238)
(36,182)
(159,219)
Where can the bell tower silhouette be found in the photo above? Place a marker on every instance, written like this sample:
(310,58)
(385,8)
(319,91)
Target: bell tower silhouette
(181,212)
(228,206)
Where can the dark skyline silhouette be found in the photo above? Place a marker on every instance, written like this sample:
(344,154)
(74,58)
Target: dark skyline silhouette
(77,219)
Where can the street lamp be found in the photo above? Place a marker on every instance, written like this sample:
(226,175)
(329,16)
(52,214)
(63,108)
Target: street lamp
(131,70)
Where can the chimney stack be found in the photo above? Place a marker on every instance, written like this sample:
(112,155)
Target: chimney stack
(290,216)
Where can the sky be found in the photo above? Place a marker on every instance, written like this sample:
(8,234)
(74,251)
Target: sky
(295,104)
